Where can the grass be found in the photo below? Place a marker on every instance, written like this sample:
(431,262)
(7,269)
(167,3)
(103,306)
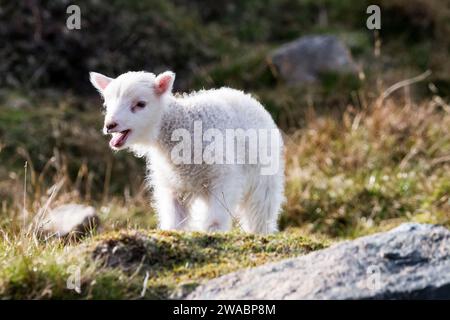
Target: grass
(386,164)
(115,265)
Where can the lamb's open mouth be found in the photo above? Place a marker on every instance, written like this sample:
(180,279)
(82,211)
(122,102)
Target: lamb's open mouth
(119,138)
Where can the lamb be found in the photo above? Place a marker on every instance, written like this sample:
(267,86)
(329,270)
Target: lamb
(209,159)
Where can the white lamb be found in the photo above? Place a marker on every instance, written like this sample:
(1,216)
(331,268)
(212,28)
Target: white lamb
(196,185)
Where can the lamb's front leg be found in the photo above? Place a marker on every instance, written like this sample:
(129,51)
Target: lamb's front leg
(171,213)
(209,214)
(214,211)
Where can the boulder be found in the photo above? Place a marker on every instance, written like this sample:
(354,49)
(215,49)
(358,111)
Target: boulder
(411,261)
(304,60)
(69,221)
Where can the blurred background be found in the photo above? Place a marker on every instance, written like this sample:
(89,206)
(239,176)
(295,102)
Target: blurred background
(365,112)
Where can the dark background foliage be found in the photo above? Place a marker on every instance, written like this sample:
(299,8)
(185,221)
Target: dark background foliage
(192,37)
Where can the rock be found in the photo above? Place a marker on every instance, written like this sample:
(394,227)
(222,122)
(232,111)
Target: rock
(409,262)
(304,60)
(69,221)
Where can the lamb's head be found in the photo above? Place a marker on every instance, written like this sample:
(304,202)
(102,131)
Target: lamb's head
(134,103)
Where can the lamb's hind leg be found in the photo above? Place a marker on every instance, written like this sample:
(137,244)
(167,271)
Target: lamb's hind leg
(171,213)
(259,210)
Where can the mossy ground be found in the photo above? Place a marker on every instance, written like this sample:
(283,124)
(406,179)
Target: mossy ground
(136,264)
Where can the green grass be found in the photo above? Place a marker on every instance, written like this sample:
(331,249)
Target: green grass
(114,265)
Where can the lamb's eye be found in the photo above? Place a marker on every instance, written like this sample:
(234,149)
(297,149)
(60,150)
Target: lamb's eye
(140,104)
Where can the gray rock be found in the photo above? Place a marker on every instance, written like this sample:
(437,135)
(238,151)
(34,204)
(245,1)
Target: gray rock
(69,220)
(305,59)
(411,261)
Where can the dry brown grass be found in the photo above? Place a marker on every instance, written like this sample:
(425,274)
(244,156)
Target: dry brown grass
(386,162)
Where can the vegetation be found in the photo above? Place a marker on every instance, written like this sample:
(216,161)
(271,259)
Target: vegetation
(377,167)
(135,264)
(359,160)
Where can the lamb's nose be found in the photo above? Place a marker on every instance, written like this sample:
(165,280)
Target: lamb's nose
(110,126)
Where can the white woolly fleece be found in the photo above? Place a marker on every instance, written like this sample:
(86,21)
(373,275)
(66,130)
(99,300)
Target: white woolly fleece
(196,196)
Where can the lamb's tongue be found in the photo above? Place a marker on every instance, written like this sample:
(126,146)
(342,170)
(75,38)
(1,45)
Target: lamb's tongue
(116,140)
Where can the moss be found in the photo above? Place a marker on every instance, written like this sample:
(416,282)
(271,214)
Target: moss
(176,259)
(114,265)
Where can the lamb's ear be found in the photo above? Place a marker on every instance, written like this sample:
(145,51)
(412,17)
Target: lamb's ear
(164,82)
(99,81)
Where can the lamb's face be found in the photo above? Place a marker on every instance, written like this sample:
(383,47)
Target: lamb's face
(134,103)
